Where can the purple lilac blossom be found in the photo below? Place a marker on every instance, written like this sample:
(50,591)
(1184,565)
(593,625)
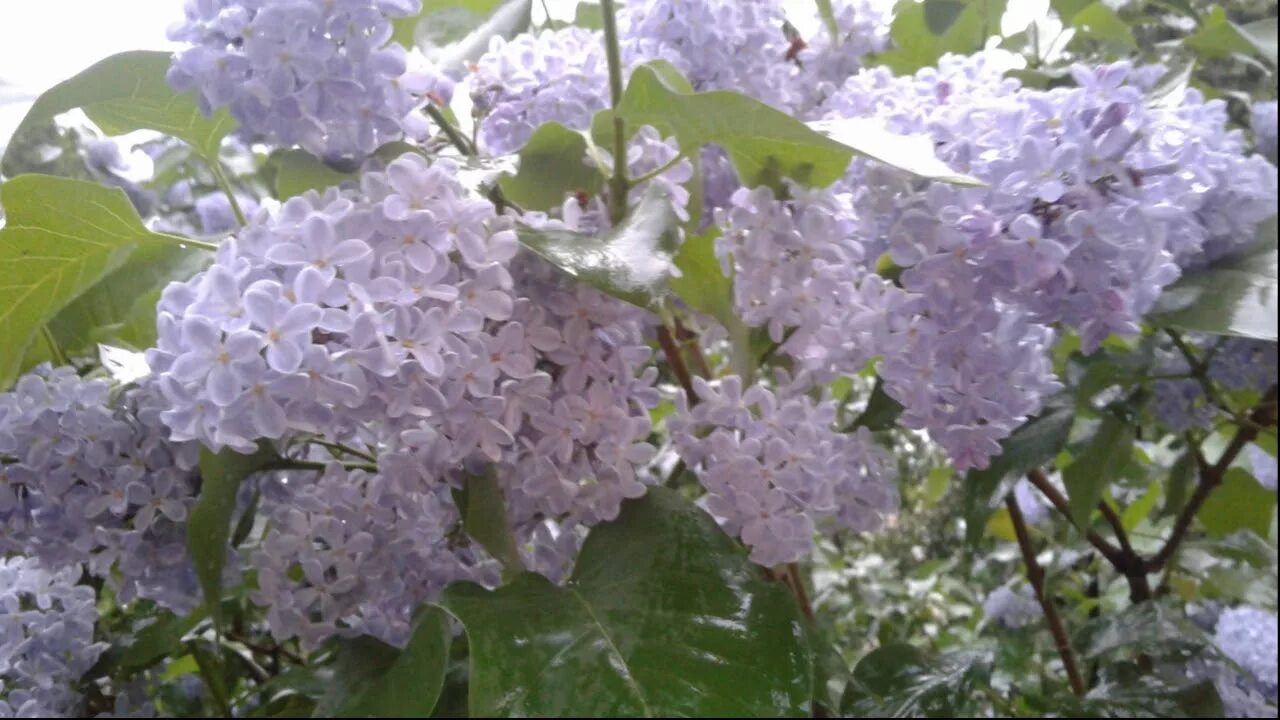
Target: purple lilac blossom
(1013,606)
(323,75)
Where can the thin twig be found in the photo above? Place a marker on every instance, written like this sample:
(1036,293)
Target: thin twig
(797,588)
(1035,575)
(676,360)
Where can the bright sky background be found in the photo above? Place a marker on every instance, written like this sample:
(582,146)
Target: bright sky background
(43,42)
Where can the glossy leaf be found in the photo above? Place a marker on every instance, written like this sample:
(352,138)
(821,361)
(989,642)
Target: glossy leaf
(1172,88)
(915,46)
(484,516)
(632,261)
(664,616)
(1104,456)
(764,144)
(940,15)
(102,314)
(1240,503)
(373,679)
(1148,627)
(881,412)
(506,21)
(1032,445)
(553,166)
(127,92)
(898,680)
(1218,37)
(911,153)
(209,523)
(297,171)
(1237,296)
(62,238)
(447,21)
(703,286)
(1097,21)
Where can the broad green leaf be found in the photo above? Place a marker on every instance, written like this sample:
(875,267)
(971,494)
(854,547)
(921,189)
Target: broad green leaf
(297,171)
(897,680)
(103,313)
(506,21)
(62,237)
(1139,510)
(161,639)
(1097,21)
(484,516)
(1104,456)
(1240,503)
(936,484)
(373,679)
(127,92)
(447,21)
(881,412)
(1148,627)
(632,261)
(1181,476)
(1237,296)
(589,15)
(703,286)
(664,616)
(1034,444)
(828,15)
(915,46)
(1172,88)
(1218,37)
(940,15)
(209,524)
(764,144)
(911,153)
(554,164)
(1067,9)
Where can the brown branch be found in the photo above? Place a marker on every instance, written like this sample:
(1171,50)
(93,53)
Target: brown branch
(1112,553)
(676,360)
(1035,575)
(1211,476)
(797,588)
(1132,566)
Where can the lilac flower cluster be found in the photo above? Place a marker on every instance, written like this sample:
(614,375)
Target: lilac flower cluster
(320,74)
(89,480)
(1263,120)
(1013,606)
(399,319)
(1094,201)
(46,638)
(1234,363)
(776,469)
(1248,635)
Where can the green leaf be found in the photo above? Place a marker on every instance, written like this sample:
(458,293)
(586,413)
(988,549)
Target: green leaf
(1148,627)
(897,680)
(209,524)
(1181,476)
(449,21)
(910,153)
(703,287)
(102,313)
(764,144)
(373,679)
(664,616)
(828,15)
(1172,88)
(1067,9)
(160,639)
(1236,296)
(553,165)
(1218,37)
(1097,21)
(127,92)
(881,412)
(1035,443)
(297,171)
(915,46)
(62,238)
(632,261)
(1104,456)
(506,21)
(940,15)
(1138,511)
(1240,503)
(484,516)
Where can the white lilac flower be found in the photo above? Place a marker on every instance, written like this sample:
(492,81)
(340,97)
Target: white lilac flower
(1011,606)
(1264,127)
(1247,635)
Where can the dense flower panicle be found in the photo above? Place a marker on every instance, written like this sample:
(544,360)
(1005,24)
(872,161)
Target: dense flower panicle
(550,76)
(1248,635)
(1234,363)
(1012,606)
(316,73)
(1263,120)
(776,469)
(90,479)
(1265,467)
(46,638)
